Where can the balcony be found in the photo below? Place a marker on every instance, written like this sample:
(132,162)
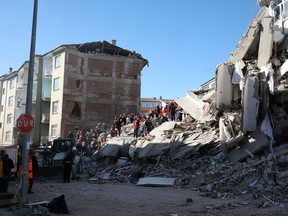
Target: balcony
(45,118)
(46,96)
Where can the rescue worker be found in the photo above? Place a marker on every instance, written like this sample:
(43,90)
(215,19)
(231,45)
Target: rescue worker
(172,110)
(136,126)
(148,125)
(4,172)
(32,169)
(67,164)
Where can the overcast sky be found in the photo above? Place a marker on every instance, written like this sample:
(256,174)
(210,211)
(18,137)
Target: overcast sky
(183,40)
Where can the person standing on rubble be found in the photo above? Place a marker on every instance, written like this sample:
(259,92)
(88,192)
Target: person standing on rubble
(113,132)
(70,135)
(148,125)
(172,110)
(124,122)
(136,126)
(179,114)
(131,119)
(157,111)
(163,118)
(118,125)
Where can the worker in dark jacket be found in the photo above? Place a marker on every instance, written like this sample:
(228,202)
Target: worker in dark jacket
(4,172)
(67,165)
(172,110)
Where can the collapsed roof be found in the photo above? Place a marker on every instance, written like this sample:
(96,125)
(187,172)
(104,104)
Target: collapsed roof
(108,48)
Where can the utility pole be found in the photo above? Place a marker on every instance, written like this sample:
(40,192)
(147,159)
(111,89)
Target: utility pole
(26,137)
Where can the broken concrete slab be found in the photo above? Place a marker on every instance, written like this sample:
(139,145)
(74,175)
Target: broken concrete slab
(209,96)
(250,39)
(281,71)
(112,147)
(278,37)
(191,104)
(266,41)
(224,87)
(153,149)
(264,3)
(109,150)
(163,127)
(250,104)
(156,181)
(255,142)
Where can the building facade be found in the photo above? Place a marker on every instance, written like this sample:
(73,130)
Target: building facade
(210,84)
(75,87)
(148,104)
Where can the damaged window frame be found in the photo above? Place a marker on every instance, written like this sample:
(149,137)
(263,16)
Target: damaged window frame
(280,10)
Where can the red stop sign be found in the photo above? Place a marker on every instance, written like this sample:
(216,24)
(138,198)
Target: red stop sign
(25,123)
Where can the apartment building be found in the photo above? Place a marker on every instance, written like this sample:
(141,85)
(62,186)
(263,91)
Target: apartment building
(75,86)
(210,84)
(8,105)
(150,104)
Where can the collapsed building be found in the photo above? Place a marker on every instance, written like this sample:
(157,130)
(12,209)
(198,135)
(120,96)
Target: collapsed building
(233,139)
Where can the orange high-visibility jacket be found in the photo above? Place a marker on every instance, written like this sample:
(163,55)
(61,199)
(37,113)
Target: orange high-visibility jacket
(30,169)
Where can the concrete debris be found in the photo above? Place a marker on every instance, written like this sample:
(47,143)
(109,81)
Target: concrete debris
(156,181)
(264,3)
(232,139)
(191,104)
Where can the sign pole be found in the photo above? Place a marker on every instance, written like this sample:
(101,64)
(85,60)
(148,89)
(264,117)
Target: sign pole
(26,137)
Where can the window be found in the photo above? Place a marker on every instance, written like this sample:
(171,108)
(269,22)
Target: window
(57,62)
(8,136)
(53,130)
(56,83)
(3,91)
(9,118)
(149,104)
(277,13)
(55,107)
(12,83)
(76,112)
(18,105)
(10,101)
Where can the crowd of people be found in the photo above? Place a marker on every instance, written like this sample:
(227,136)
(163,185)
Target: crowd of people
(90,140)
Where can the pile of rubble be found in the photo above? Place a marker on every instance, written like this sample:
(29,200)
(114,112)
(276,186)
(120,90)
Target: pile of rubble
(233,140)
(187,152)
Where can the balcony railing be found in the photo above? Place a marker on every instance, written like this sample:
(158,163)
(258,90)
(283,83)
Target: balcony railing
(46,96)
